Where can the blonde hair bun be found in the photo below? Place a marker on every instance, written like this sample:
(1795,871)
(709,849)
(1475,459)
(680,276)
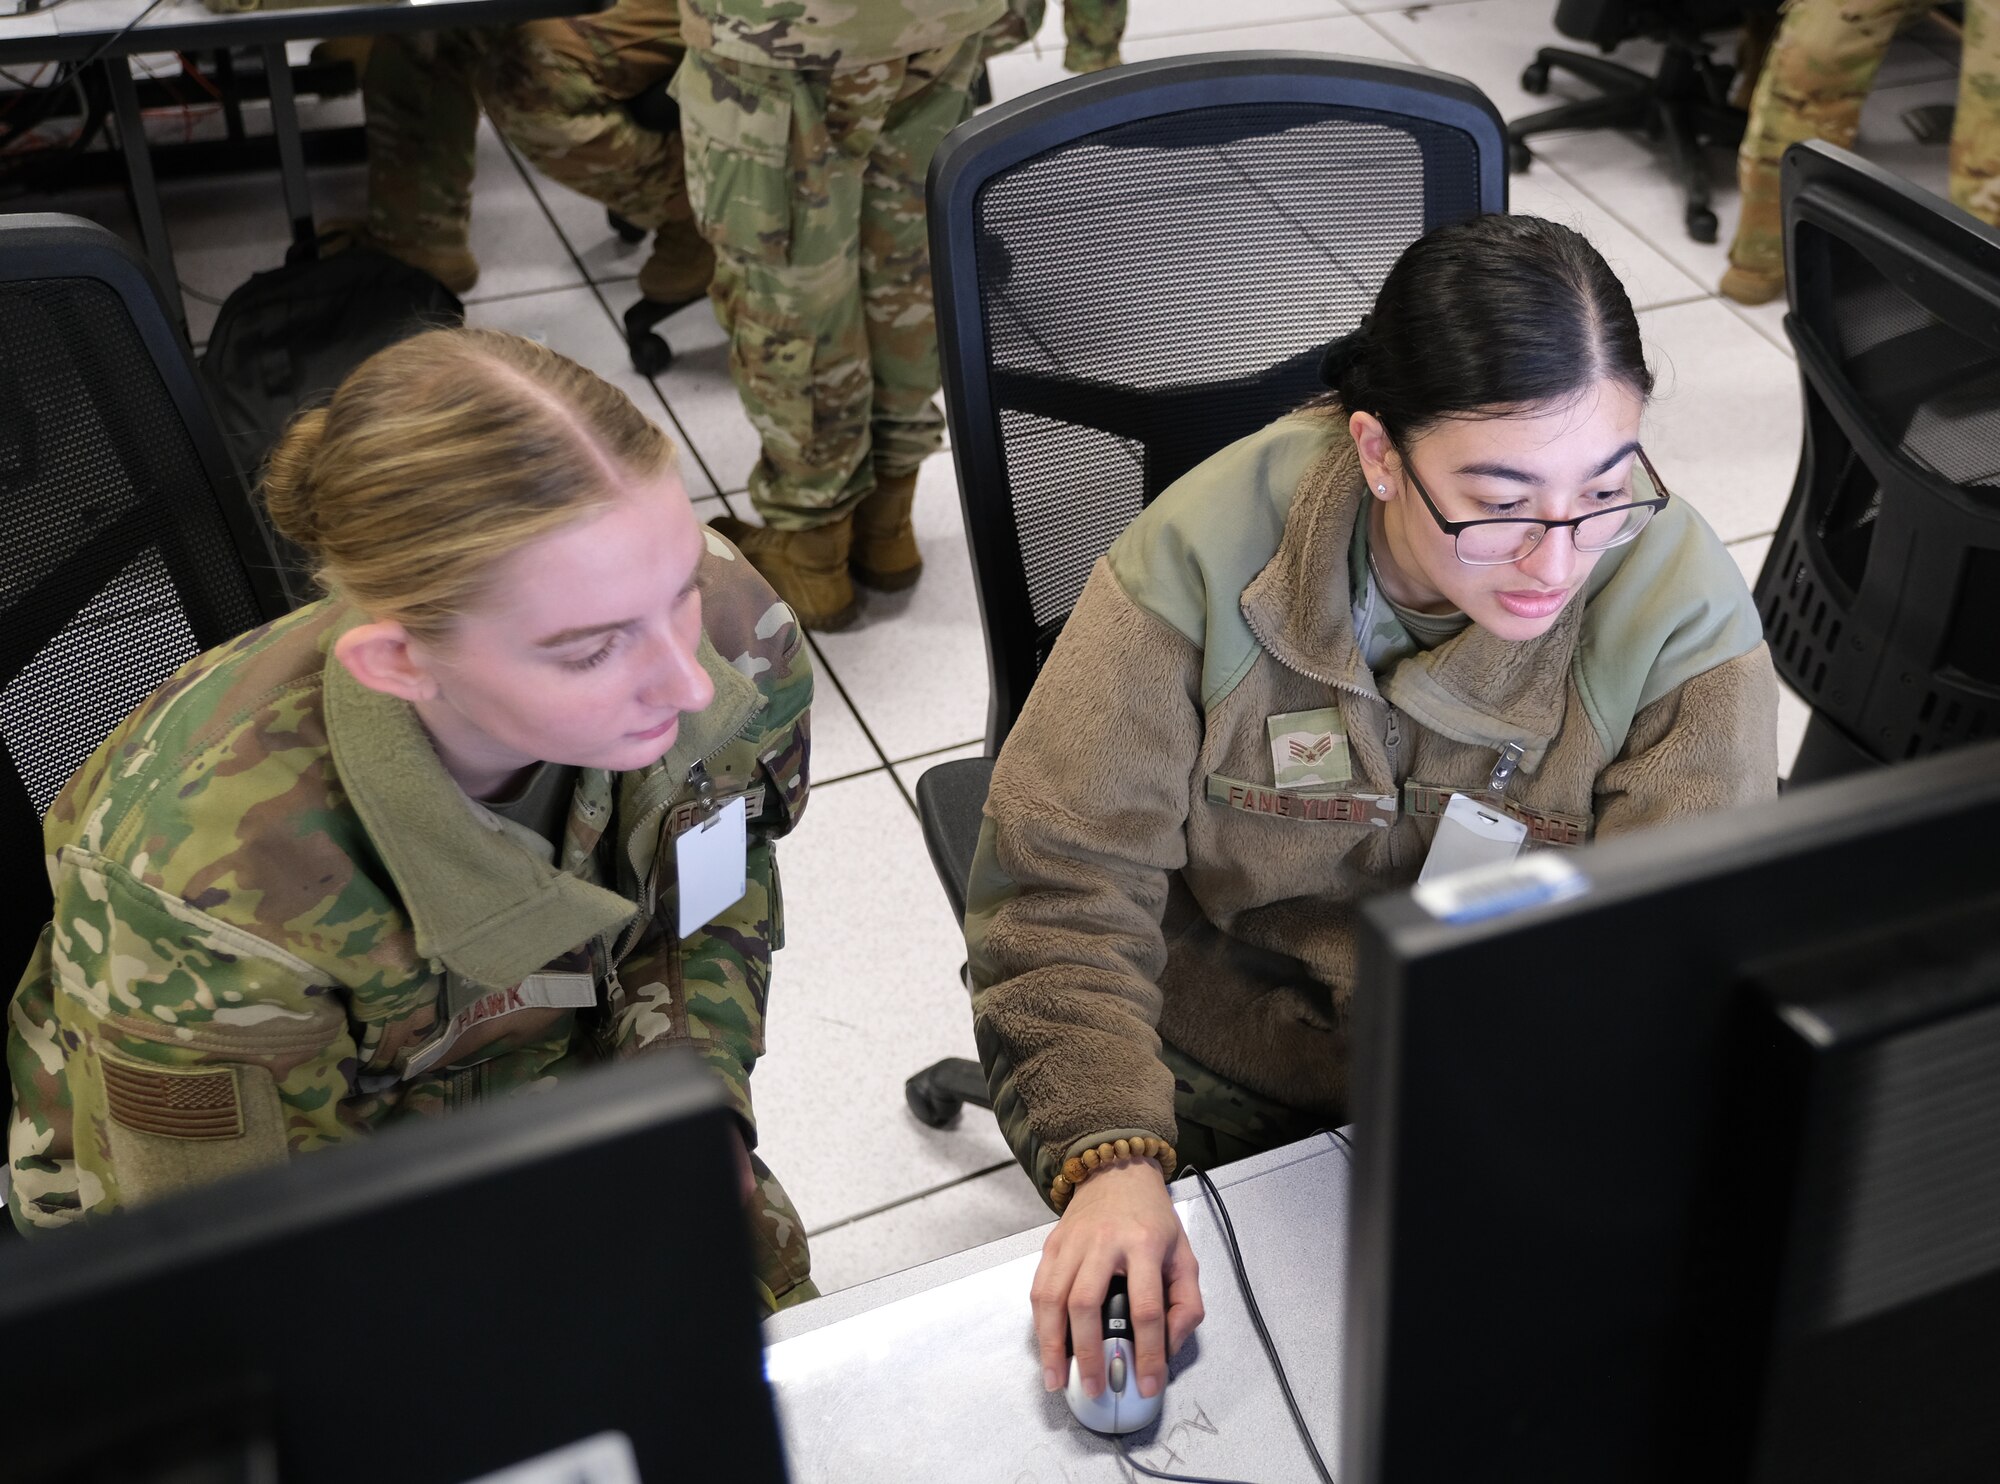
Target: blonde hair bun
(443,454)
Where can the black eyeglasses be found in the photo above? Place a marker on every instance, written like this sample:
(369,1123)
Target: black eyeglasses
(1499,540)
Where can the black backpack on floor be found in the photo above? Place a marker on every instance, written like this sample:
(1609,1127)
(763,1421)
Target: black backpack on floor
(285,339)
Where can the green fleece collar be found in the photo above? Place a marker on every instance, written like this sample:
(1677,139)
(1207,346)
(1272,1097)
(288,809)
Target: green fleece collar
(1475,687)
(477,901)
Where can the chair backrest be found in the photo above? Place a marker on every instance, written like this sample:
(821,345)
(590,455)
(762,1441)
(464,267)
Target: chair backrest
(1138,267)
(1881,592)
(127,545)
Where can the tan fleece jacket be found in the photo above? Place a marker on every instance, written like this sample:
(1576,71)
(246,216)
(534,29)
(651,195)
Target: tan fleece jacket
(1126,889)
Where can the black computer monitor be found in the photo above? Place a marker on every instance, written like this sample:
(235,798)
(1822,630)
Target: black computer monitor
(442,1301)
(1680,1158)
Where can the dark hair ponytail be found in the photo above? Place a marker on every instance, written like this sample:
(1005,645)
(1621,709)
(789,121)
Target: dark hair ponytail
(1493,312)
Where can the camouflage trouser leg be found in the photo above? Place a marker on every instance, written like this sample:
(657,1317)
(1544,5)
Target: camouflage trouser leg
(1975,133)
(778,1244)
(1221,1121)
(809,185)
(421,94)
(1092,30)
(556,89)
(1016,28)
(1815,78)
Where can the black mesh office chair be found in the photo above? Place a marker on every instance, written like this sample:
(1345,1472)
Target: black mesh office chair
(128,546)
(1132,270)
(1685,102)
(1881,592)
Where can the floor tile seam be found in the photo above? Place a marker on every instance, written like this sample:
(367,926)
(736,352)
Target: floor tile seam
(510,295)
(1773,333)
(1335,11)
(1575,183)
(886,1206)
(823,666)
(1396,7)
(849,776)
(1755,536)
(1367,18)
(930,752)
(596,291)
(1698,297)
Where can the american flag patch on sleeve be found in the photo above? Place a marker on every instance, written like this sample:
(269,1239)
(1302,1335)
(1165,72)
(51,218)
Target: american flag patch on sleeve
(190,1103)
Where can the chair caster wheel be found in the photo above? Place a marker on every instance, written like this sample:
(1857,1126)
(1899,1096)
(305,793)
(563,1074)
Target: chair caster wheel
(650,354)
(1518,158)
(1701,224)
(1535,78)
(933,1107)
(627,231)
(649,350)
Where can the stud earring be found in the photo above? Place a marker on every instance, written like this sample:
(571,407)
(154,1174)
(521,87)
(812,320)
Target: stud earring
(1381,489)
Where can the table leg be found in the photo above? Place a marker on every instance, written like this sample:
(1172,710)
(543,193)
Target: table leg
(145,189)
(291,148)
(232,105)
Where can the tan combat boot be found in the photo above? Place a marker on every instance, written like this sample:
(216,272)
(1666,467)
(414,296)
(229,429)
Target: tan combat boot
(680,267)
(808,568)
(885,543)
(1750,286)
(454,267)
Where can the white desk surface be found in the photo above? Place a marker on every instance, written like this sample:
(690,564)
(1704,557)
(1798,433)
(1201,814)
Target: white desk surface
(931,1374)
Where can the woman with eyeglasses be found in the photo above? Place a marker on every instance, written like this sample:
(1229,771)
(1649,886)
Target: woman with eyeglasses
(1457,574)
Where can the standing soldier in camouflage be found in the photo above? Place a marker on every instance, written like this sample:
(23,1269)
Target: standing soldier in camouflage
(414,845)
(557,90)
(809,126)
(1815,79)
(1092,30)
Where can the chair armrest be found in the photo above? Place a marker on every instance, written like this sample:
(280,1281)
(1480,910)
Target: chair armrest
(951,800)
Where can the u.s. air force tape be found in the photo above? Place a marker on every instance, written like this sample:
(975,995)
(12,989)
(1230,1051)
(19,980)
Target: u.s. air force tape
(1316,807)
(1545,826)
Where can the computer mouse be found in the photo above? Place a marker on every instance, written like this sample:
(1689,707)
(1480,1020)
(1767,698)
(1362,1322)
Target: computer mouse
(1118,1408)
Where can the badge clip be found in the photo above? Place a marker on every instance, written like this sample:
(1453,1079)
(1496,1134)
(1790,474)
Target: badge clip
(1504,769)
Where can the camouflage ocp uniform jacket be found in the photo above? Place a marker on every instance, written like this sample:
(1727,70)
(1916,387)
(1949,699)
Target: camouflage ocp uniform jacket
(279,923)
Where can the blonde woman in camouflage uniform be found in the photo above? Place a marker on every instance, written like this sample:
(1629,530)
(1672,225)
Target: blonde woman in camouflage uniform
(412,846)
(809,126)
(557,90)
(1815,79)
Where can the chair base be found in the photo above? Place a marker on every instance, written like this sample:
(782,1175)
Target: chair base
(937,1092)
(1685,104)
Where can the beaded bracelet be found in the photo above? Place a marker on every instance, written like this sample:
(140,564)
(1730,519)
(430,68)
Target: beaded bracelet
(1081,1167)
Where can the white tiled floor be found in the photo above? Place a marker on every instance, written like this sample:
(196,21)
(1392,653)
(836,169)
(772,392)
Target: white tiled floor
(867,990)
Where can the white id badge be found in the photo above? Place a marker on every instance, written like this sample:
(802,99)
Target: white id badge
(1471,834)
(711,862)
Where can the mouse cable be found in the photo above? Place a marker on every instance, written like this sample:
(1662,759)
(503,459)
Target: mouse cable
(1270,1350)
(1257,1320)
(1346,1144)
(1153,1473)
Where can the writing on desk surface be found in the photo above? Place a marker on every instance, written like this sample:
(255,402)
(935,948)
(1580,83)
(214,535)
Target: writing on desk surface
(1179,1445)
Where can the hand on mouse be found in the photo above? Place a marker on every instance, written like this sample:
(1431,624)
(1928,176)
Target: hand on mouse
(1120,1220)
